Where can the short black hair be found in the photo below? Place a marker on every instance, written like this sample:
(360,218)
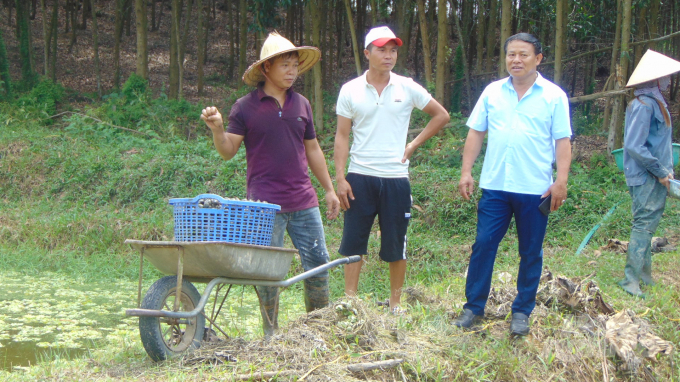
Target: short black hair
(526,37)
(283,56)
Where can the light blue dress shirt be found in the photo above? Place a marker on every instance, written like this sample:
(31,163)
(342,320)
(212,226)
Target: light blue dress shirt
(521,134)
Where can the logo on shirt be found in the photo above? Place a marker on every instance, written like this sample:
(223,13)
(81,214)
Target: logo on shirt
(397,100)
(299,119)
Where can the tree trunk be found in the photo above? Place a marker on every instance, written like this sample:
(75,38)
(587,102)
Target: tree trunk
(355,46)
(615,140)
(4,70)
(55,31)
(95,43)
(27,74)
(559,47)
(317,107)
(339,41)
(424,35)
(442,43)
(142,51)
(201,36)
(87,11)
(480,36)
(641,28)
(188,22)
(73,15)
(612,68)
(173,86)
(491,35)
(403,29)
(466,69)
(243,37)
(233,41)
(118,34)
(653,22)
(153,15)
(506,25)
(128,18)
(46,37)
(309,80)
(374,12)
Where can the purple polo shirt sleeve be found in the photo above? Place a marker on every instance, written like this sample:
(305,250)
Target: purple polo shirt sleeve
(236,124)
(310,133)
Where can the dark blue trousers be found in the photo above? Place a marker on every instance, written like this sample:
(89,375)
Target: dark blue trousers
(494,211)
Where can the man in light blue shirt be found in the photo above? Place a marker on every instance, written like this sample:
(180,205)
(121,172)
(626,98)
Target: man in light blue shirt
(527,121)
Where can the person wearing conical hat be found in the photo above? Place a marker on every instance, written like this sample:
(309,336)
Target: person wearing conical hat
(647,162)
(276,125)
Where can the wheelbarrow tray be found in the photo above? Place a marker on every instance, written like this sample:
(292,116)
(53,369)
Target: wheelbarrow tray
(209,259)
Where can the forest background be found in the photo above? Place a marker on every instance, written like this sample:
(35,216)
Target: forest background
(100,103)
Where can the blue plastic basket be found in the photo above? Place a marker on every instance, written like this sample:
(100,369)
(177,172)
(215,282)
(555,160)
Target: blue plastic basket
(233,222)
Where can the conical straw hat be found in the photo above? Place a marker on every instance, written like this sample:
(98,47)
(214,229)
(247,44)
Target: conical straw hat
(275,45)
(653,65)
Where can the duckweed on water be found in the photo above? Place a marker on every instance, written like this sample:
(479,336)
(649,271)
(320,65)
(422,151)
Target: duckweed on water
(57,312)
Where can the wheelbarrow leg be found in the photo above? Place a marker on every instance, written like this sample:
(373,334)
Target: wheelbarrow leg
(269,308)
(316,293)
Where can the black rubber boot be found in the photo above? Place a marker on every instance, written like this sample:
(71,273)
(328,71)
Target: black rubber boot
(269,308)
(316,293)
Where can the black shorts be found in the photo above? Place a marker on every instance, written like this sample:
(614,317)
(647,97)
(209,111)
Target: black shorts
(390,199)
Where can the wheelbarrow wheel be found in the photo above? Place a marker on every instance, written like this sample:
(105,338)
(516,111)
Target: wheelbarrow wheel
(163,337)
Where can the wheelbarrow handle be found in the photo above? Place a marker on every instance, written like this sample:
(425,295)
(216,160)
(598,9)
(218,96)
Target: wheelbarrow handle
(223,280)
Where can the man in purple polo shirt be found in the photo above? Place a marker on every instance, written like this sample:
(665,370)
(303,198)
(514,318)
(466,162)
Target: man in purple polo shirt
(275,123)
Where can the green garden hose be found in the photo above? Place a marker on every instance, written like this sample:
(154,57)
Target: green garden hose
(594,229)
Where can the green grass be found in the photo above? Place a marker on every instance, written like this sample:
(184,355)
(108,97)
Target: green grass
(72,190)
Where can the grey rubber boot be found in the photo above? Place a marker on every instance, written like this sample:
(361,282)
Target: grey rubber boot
(638,247)
(316,293)
(646,273)
(269,308)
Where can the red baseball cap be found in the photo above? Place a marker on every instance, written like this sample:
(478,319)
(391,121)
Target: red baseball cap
(379,36)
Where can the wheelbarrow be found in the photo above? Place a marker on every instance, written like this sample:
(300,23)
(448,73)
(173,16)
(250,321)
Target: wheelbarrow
(169,326)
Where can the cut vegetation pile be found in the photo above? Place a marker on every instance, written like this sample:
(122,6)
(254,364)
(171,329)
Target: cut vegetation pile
(573,327)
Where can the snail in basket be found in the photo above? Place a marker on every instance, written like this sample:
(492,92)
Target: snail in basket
(216,204)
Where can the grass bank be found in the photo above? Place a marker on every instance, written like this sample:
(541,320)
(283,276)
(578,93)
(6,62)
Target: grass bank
(73,189)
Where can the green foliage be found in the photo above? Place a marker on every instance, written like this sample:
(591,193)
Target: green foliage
(458,85)
(586,122)
(135,88)
(160,118)
(43,99)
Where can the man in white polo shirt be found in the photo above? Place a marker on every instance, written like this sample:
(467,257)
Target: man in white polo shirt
(376,107)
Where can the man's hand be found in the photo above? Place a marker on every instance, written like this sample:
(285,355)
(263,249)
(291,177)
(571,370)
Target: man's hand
(410,149)
(558,190)
(466,186)
(332,205)
(212,117)
(344,193)
(666,181)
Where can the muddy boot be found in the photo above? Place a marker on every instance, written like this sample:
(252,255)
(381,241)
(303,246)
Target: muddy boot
(637,249)
(646,273)
(269,308)
(316,293)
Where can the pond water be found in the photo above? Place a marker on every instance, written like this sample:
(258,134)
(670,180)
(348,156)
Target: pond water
(51,315)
